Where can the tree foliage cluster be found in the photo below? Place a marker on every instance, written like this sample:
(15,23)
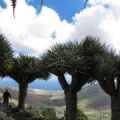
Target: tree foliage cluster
(5,55)
(84,61)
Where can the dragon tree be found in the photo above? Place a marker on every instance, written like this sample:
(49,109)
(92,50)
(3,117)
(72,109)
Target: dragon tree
(108,76)
(77,59)
(25,70)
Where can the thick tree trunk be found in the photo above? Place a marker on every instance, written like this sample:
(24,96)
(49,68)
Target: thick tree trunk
(22,95)
(71,105)
(115,108)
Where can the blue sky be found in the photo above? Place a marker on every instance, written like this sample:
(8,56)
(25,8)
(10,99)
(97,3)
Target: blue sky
(2,4)
(65,8)
(51,84)
(36,28)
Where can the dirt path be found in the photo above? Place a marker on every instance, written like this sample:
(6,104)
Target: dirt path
(3,113)
(9,114)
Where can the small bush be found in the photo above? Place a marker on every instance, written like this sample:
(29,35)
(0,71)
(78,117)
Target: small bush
(80,115)
(49,112)
(34,110)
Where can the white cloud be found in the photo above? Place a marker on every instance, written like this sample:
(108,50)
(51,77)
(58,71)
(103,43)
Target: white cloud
(32,32)
(36,33)
(101,19)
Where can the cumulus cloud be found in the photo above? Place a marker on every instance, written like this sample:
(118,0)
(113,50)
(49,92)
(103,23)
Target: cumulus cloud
(32,32)
(35,33)
(100,19)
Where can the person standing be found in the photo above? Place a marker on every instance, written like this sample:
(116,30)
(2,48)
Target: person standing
(6,96)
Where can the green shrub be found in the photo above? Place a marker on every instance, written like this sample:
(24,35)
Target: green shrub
(80,115)
(49,112)
(34,110)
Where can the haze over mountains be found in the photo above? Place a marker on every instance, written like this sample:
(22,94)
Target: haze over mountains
(50,84)
(37,84)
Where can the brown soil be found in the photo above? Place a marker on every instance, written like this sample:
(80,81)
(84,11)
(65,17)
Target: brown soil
(3,115)
(11,113)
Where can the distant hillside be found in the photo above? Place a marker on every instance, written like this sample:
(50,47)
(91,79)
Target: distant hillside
(95,96)
(39,98)
(95,103)
(92,100)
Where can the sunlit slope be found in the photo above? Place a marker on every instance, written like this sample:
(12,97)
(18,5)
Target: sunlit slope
(92,97)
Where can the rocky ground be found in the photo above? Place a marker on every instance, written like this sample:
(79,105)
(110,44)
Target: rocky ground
(3,114)
(10,113)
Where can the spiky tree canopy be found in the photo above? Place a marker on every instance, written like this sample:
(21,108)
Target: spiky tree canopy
(76,59)
(64,58)
(107,70)
(106,67)
(26,69)
(5,56)
(92,49)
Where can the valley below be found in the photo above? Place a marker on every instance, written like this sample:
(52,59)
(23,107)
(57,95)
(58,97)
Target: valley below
(92,100)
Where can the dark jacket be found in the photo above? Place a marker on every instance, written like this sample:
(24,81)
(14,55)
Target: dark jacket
(6,95)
